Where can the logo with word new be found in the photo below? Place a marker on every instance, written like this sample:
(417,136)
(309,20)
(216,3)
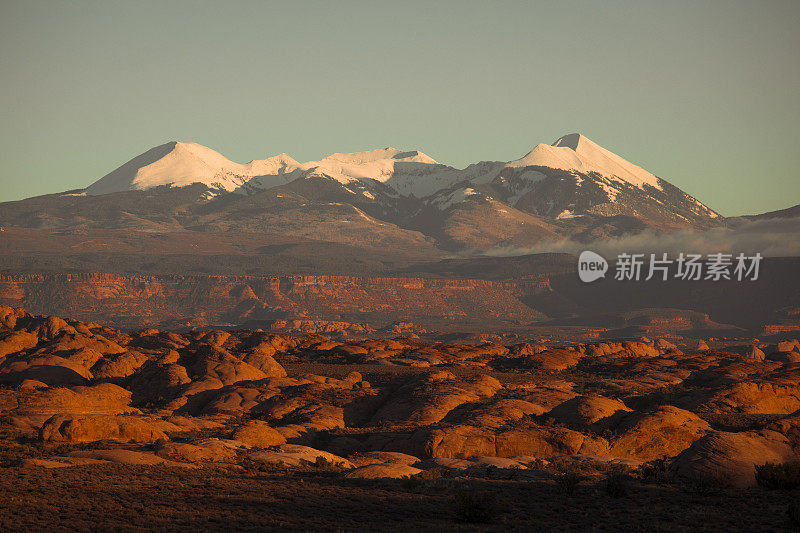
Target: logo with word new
(688,267)
(591,266)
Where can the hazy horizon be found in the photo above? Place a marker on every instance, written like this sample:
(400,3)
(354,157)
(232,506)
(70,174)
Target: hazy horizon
(703,95)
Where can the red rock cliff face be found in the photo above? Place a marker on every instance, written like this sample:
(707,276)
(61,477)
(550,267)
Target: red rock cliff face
(138,301)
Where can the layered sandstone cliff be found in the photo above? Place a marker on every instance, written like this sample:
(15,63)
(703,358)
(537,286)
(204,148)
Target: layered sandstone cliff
(139,301)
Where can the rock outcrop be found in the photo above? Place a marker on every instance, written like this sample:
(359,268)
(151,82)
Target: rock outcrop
(730,458)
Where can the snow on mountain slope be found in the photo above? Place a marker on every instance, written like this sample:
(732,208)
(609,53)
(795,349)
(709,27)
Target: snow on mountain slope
(576,152)
(447,199)
(573,175)
(180,163)
(409,173)
(379,165)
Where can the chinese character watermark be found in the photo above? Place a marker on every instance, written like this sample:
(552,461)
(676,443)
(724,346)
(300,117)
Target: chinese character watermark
(689,267)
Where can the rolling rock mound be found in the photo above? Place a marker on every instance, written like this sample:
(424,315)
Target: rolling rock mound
(386,407)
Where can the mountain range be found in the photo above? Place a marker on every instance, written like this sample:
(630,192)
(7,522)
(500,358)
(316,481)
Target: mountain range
(405,199)
(182,236)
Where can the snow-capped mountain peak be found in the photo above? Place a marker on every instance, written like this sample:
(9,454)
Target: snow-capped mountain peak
(379,165)
(574,152)
(573,175)
(183,163)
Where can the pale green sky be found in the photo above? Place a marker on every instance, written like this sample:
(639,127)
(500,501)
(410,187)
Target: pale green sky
(705,94)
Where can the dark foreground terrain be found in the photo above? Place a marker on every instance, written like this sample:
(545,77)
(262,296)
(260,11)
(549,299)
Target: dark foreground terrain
(129,498)
(246,429)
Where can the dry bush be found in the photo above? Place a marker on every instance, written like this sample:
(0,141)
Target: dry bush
(783,476)
(709,484)
(432,473)
(322,465)
(563,465)
(261,467)
(656,471)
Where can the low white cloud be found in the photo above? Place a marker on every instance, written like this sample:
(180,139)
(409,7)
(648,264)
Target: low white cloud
(778,237)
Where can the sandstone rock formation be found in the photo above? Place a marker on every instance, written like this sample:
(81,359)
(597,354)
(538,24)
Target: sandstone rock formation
(68,428)
(378,408)
(724,458)
(662,432)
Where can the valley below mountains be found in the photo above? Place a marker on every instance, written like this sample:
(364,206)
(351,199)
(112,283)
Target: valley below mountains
(530,296)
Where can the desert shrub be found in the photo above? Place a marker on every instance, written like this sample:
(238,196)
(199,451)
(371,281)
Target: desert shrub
(411,483)
(476,507)
(793,513)
(617,484)
(262,467)
(322,465)
(784,476)
(536,464)
(432,473)
(656,471)
(709,484)
(420,480)
(566,465)
(158,444)
(567,483)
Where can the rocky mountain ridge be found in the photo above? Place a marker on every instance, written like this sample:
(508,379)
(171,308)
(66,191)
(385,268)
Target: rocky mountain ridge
(571,189)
